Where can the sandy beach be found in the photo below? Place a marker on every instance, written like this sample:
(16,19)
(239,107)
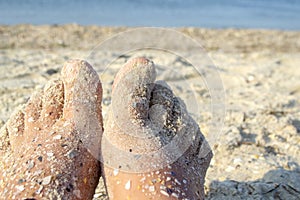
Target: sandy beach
(256,149)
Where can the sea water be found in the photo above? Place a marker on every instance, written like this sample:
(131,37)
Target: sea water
(270,14)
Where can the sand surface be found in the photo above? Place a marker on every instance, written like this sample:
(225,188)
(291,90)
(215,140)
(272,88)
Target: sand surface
(256,149)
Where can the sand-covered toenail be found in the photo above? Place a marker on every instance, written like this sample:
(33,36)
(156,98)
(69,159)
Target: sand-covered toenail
(139,70)
(52,102)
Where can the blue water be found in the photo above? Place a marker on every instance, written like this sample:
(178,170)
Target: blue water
(270,14)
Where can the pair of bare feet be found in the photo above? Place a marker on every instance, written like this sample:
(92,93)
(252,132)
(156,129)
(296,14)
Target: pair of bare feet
(55,147)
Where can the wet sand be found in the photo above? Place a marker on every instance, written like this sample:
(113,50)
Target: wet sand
(256,151)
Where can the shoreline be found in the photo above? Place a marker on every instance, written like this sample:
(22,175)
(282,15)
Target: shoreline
(138,26)
(84,37)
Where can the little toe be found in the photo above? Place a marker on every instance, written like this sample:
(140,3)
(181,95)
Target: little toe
(15,128)
(4,140)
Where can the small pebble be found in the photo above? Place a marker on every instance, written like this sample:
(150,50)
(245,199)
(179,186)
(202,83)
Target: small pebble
(97,195)
(178,182)
(250,78)
(163,187)
(143,179)
(229,169)
(72,154)
(20,187)
(51,71)
(50,154)
(151,188)
(38,172)
(164,193)
(46,180)
(115,172)
(128,185)
(237,161)
(30,119)
(175,195)
(57,137)
(39,190)
(40,158)
(30,164)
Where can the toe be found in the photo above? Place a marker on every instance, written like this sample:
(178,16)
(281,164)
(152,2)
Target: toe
(15,127)
(129,130)
(52,103)
(82,102)
(138,70)
(132,91)
(4,140)
(162,104)
(32,111)
(82,88)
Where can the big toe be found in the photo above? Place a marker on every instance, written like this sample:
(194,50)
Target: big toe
(132,91)
(83,89)
(82,102)
(135,120)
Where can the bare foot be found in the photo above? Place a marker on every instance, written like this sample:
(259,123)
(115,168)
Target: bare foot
(52,144)
(151,147)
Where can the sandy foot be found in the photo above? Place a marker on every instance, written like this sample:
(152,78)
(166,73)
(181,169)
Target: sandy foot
(46,153)
(152,148)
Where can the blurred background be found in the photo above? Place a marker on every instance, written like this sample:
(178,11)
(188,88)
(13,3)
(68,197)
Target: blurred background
(269,14)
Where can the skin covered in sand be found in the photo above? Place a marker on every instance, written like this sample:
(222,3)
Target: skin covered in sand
(47,156)
(151,147)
